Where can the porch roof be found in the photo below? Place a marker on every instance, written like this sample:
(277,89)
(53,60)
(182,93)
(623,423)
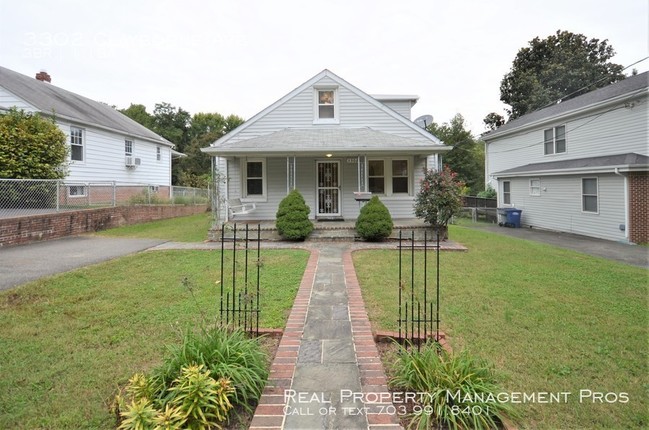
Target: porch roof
(318,141)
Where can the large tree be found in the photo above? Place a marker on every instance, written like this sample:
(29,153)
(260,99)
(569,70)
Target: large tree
(31,147)
(559,67)
(467,156)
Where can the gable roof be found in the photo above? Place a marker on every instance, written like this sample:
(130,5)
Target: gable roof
(49,99)
(309,83)
(619,90)
(624,162)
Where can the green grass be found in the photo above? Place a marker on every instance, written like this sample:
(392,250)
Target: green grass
(67,342)
(184,229)
(551,320)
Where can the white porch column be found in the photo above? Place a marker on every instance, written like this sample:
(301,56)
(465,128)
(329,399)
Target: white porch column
(290,174)
(362,168)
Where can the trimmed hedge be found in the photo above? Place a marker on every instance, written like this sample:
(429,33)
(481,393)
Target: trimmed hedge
(374,222)
(293,221)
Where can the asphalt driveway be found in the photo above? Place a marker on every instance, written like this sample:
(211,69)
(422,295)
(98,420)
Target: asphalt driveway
(24,263)
(634,255)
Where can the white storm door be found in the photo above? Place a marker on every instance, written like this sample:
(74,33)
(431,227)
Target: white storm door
(328,188)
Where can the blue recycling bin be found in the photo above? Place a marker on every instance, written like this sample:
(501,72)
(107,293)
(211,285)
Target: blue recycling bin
(514,217)
(511,216)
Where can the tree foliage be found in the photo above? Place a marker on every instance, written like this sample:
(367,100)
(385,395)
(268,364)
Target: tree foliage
(466,158)
(439,197)
(31,147)
(189,134)
(562,66)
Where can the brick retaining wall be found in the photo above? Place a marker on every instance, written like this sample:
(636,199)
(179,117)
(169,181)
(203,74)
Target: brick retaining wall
(20,230)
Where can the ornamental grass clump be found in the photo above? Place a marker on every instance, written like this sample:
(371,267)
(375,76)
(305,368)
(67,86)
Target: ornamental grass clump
(293,221)
(374,223)
(461,390)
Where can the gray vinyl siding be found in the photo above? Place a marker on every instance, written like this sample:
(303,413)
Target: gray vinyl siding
(399,206)
(402,107)
(354,111)
(9,100)
(559,207)
(605,132)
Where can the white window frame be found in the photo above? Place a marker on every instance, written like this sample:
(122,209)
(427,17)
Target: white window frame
(584,195)
(78,140)
(84,191)
(408,176)
(388,175)
(376,176)
(507,195)
(316,105)
(158,153)
(128,147)
(535,189)
(244,183)
(554,140)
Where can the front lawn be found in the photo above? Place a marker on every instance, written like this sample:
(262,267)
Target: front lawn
(550,320)
(67,342)
(191,228)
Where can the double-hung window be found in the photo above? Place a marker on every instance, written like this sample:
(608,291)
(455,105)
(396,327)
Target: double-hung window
(158,153)
(128,148)
(554,140)
(535,187)
(388,176)
(507,193)
(254,178)
(76,144)
(589,192)
(326,106)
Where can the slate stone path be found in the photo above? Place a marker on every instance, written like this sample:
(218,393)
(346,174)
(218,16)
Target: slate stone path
(327,373)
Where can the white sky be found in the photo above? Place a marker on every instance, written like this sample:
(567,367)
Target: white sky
(238,57)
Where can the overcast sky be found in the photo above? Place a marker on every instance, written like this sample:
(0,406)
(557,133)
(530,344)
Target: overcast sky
(238,57)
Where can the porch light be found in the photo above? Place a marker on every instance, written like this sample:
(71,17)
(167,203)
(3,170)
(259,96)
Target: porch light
(329,155)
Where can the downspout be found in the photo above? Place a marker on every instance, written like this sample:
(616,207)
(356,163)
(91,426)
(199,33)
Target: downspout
(626,203)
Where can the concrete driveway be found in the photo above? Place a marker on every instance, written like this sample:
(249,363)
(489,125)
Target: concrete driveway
(634,255)
(24,263)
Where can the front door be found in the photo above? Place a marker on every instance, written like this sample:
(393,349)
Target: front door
(328,188)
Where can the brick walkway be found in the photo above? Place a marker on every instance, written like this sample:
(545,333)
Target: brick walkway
(327,372)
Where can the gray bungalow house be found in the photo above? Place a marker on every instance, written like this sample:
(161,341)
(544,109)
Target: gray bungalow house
(580,166)
(329,140)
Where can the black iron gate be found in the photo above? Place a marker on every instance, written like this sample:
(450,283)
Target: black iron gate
(239,299)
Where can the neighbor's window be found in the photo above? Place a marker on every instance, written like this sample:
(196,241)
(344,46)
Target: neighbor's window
(158,153)
(376,176)
(254,178)
(128,148)
(507,196)
(400,176)
(554,140)
(589,195)
(535,187)
(77,191)
(76,144)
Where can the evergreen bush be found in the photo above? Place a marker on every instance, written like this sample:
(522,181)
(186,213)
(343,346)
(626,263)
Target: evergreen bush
(374,222)
(293,221)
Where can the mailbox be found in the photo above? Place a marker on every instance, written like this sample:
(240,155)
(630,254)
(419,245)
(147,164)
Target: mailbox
(361,196)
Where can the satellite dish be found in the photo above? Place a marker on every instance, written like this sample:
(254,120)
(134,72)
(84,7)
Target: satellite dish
(424,121)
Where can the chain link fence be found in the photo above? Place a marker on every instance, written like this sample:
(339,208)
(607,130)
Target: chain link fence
(23,197)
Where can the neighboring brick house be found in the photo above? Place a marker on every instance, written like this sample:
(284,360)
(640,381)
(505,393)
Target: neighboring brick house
(579,166)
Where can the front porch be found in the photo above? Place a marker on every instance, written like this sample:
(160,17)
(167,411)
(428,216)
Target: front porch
(324,230)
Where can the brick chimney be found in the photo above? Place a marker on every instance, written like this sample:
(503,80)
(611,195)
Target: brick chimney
(44,76)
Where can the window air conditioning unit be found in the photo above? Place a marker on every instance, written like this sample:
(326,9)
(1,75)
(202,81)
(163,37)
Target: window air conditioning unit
(129,161)
(138,161)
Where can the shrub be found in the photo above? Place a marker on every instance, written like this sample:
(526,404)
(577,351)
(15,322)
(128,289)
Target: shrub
(293,221)
(458,388)
(374,222)
(489,193)
(439,198)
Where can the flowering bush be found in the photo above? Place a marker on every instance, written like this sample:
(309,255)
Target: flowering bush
(439,197)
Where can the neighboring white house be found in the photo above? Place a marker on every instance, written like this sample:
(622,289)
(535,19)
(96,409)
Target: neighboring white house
(328,139)
(580,166)
(105,145)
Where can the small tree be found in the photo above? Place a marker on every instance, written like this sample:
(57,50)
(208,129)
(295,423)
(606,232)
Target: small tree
(374,222)
(293,221)
(31,147)
(439,198)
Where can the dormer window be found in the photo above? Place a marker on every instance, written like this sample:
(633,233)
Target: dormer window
(326,107)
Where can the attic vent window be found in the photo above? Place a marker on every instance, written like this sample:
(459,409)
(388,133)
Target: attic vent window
(326,109)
